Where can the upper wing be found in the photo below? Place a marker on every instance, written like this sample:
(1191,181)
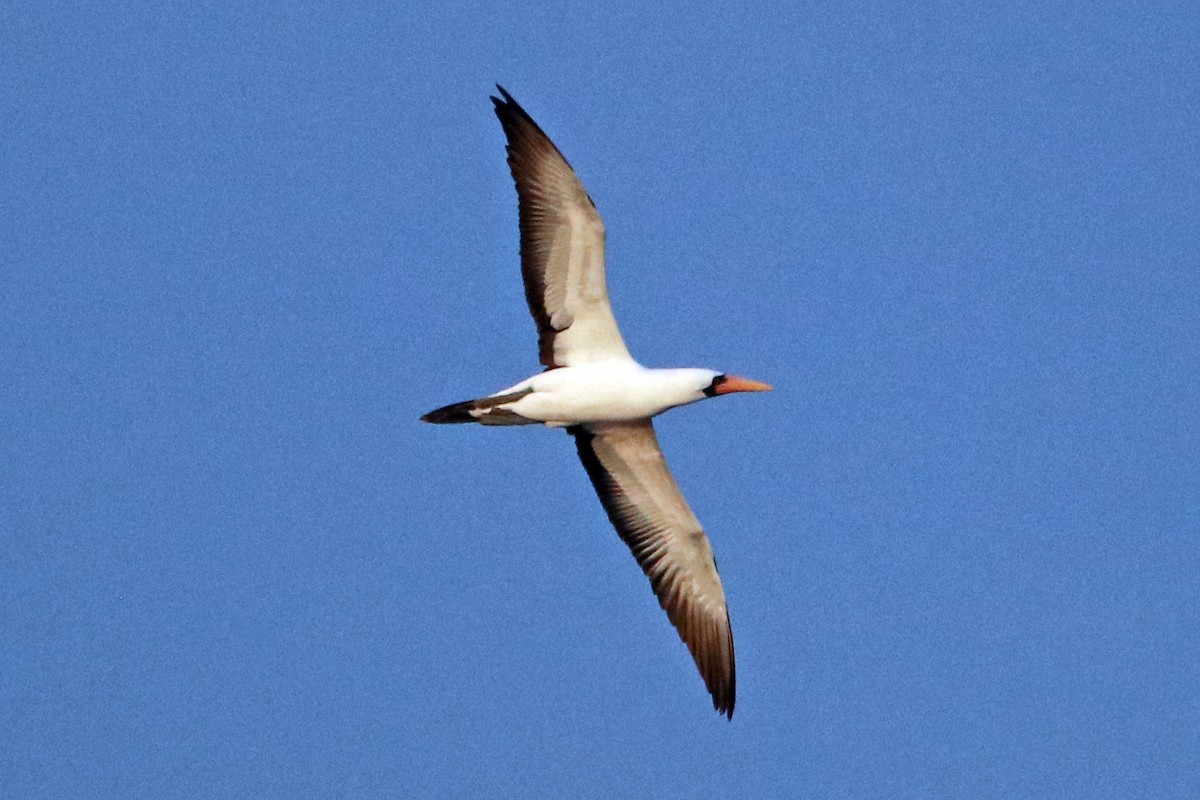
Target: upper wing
(562,248)
(646,507)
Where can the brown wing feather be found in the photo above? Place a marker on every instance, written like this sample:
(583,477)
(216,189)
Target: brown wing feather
(562,247)
(646,507)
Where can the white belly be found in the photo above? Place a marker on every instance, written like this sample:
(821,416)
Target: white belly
(610,392)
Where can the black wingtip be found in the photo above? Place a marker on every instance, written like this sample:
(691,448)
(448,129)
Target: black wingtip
(724,706)
(505,100)
(508,109)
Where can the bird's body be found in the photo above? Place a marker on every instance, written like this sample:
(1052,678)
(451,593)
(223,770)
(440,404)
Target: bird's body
(607,391)
(605,399)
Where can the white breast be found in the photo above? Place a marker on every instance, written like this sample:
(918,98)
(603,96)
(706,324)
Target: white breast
(606,392)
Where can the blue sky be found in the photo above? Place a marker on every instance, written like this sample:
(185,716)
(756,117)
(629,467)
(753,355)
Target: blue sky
(244,248)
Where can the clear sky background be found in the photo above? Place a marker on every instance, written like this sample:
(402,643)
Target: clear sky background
(243,248)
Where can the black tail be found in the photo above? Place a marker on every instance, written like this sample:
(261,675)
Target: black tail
(487,411)
(452,414)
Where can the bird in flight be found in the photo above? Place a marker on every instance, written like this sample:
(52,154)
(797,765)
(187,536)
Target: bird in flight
(592,387)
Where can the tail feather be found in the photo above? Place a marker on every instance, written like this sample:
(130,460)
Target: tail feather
(485,410)
(453,414)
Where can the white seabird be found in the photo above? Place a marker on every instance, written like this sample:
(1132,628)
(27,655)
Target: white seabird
(605,399)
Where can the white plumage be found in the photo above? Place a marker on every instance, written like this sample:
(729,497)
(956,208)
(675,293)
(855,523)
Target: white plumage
(608,391)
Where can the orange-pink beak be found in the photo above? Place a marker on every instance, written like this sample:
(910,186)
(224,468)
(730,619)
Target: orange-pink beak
(733,383)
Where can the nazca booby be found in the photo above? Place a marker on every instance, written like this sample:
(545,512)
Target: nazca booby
(605,399)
